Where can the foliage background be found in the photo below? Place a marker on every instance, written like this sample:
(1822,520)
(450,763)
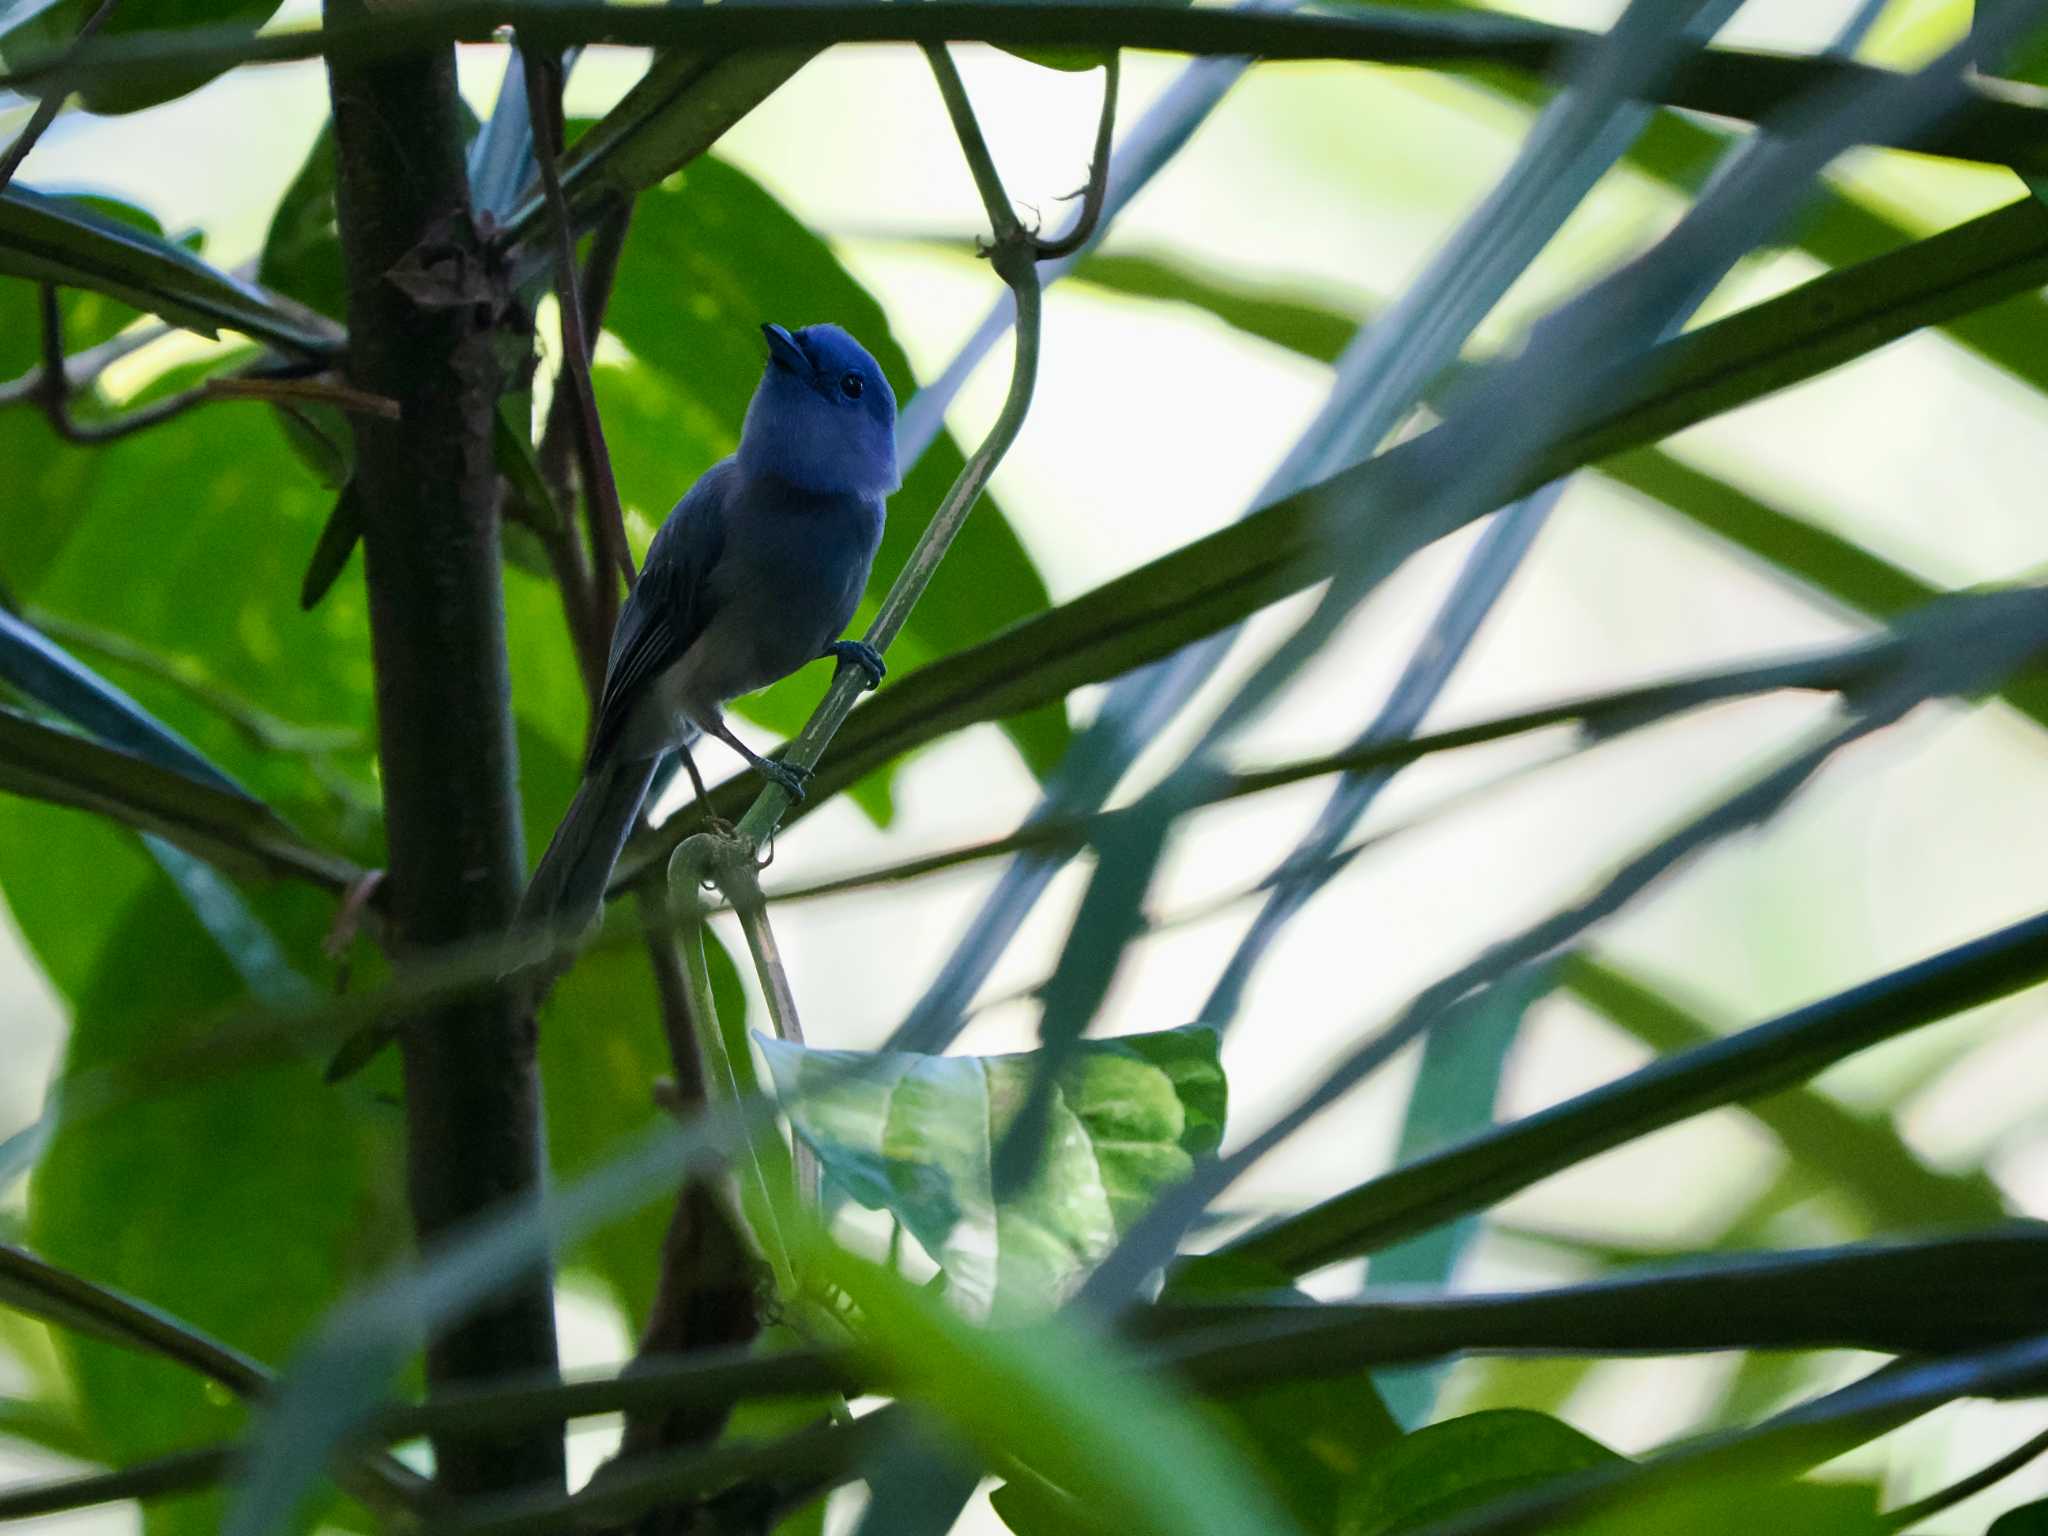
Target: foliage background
(1155,422)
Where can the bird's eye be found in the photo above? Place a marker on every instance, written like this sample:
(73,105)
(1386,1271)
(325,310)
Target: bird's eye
(851,386)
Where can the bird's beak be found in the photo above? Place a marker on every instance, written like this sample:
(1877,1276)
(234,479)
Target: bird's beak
(783,350)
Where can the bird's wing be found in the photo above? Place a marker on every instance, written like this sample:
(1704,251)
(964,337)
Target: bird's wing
(669,605)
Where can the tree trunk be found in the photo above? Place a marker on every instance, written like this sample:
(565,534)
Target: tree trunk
(420,312)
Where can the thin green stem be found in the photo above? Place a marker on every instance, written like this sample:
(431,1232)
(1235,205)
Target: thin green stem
(987,181)
(708,858)
(742,887)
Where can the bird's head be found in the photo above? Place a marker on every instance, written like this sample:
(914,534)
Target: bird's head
(823,416)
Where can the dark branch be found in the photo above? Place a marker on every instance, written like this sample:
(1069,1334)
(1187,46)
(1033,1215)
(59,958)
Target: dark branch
(422,301)
(1728,82)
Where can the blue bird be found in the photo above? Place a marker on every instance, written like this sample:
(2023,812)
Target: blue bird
(756,572)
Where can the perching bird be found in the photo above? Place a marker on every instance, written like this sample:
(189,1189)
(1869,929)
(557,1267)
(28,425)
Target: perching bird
(756,572)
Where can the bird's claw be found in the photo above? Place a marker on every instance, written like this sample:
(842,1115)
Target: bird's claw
(788,776)
(861,655)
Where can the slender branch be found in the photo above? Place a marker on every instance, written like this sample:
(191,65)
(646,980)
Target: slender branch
(54,395)
(82,368)
(600,489)
(673,1476)
(696,863)
(1096,191)
(981,164)
(560,443)
(58,380)
(1727,82)
(1795,1302)
(566,553)
(59,1296)
(601,267)
(53,98)
(741,884)
(342,396)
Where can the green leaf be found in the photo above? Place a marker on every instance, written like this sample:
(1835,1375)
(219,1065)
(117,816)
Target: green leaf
(1312,1439)
(672,115)
(50,1426)
(1032,1507)
(40,668)
(221,826)
(1061,1402)
(339,536)
(302,249)
(2026,1520)
(45,28)
(914,1135)
(266,1190)
(708,262)
(214,503)
(68,241)
(1285,317)
(1447,1468)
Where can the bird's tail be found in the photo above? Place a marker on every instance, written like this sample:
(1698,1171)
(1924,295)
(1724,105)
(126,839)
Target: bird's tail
(568,888)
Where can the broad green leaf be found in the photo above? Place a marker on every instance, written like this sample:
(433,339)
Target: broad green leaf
(705,264)
(1311,1439)
(914,1135)
(1030,1507)
(43,671)
(265,1189)
(1448,1468)
(66,240)
(1059,1401)
(2026,1520)
(302,249)
(215,502)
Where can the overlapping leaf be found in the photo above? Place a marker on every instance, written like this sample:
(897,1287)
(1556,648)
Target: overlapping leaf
(916,1135)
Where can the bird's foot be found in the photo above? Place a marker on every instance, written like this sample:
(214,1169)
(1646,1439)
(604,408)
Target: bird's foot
(861,655)
(790,777)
